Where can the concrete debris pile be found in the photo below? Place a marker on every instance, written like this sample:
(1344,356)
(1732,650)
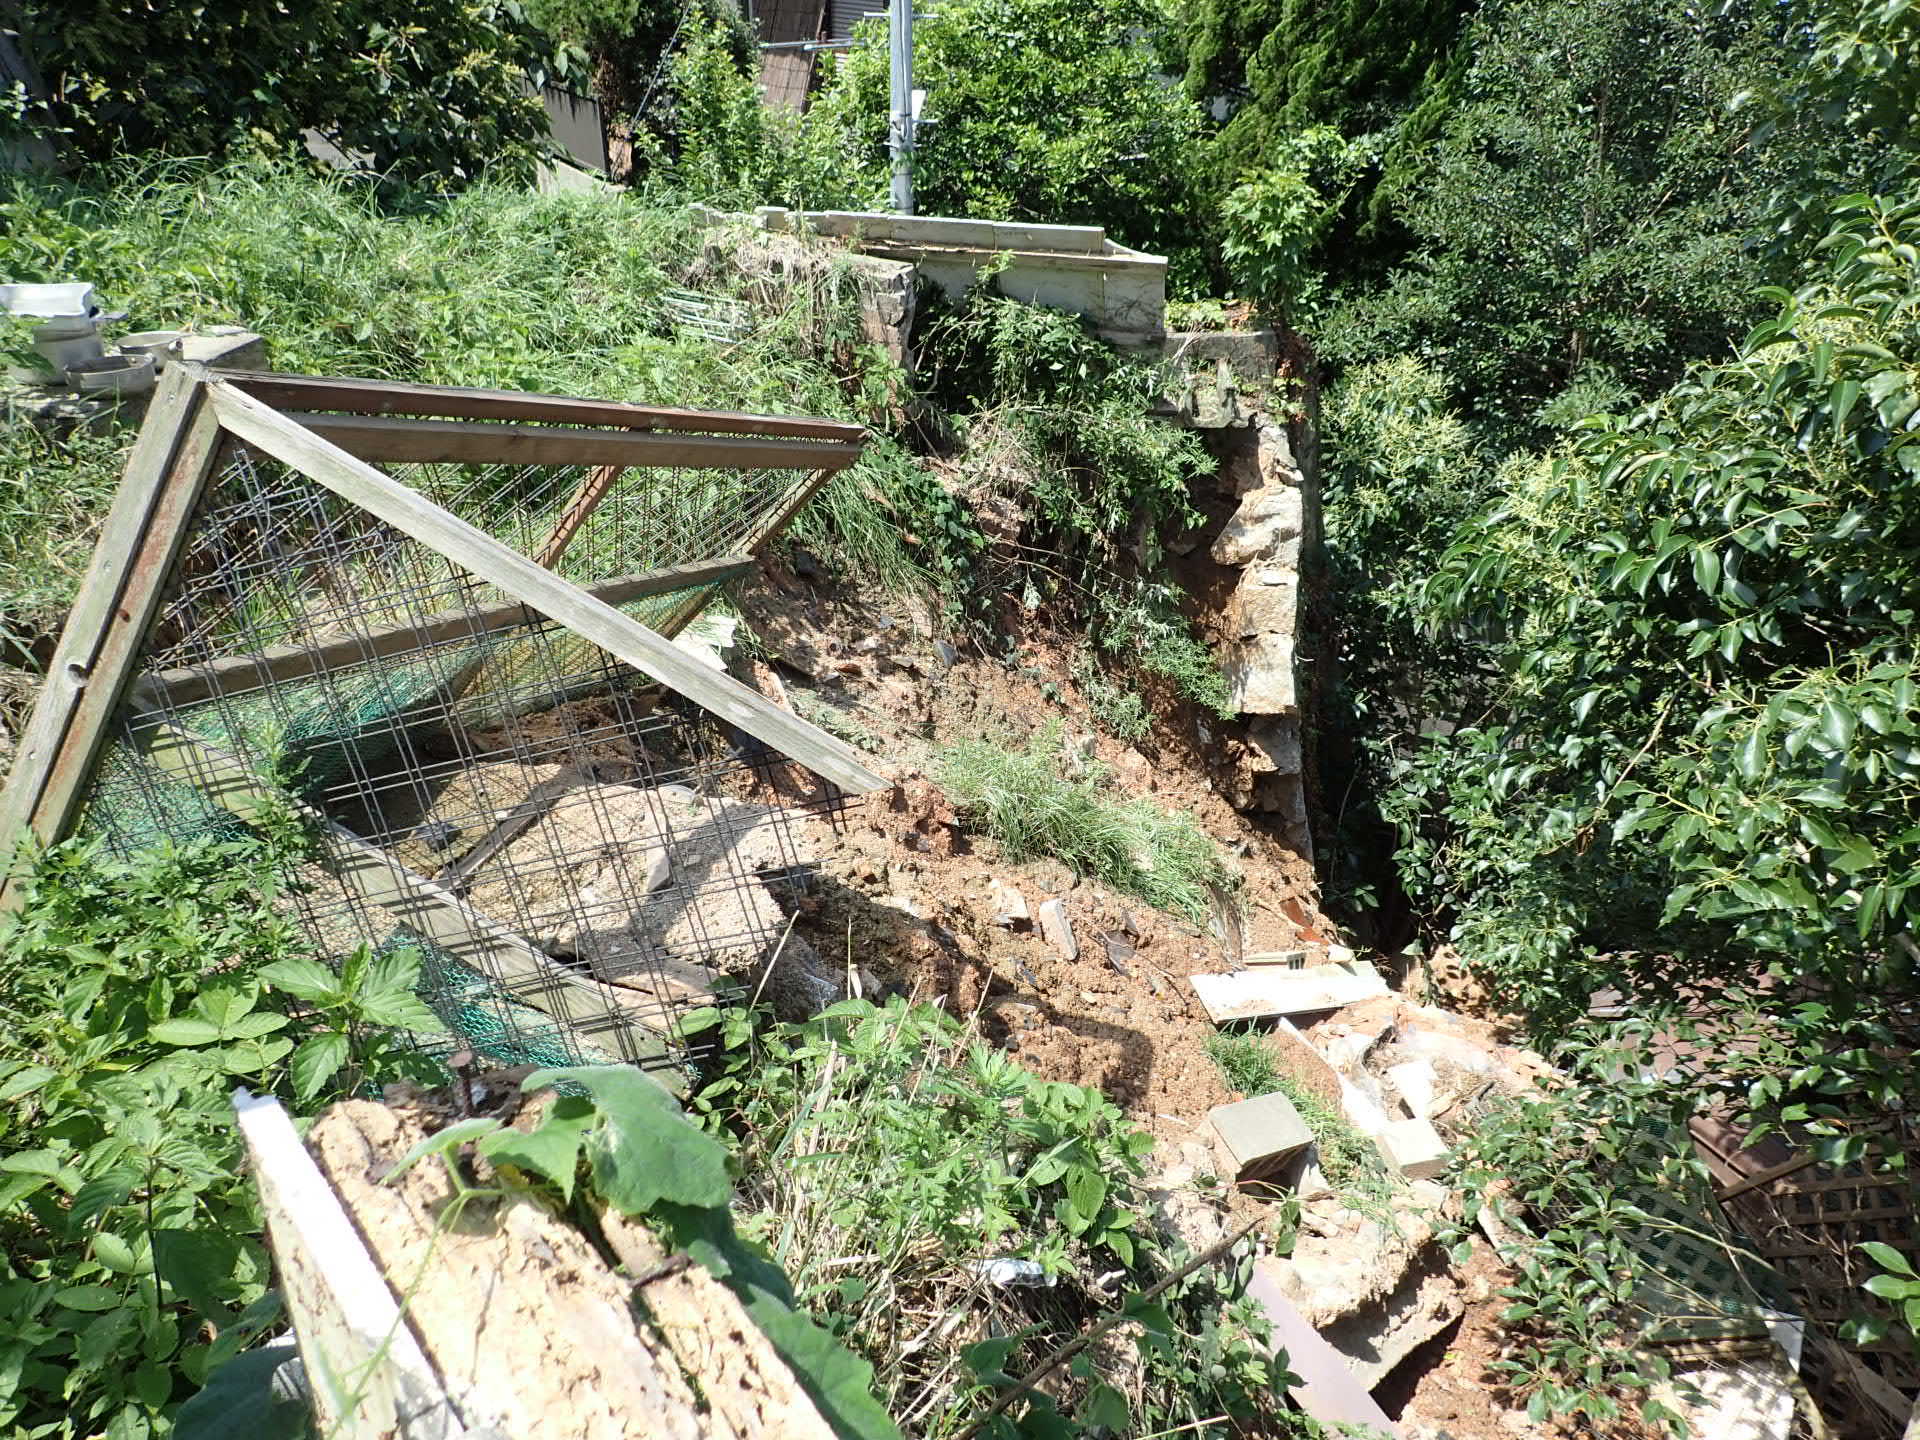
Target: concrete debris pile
(1371,1278)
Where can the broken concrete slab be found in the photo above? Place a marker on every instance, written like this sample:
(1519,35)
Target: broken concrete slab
(1375,1288)
(1058,928)
(1260,1136)
(1754,1400)
(1270,991)
(1328,1390)
(1414,1148)
(1375,1339)
(1363,1106)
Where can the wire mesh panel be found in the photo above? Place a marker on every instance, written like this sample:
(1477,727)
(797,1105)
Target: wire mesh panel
(578,852)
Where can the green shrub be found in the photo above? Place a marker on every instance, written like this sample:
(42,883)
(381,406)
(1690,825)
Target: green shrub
(494,287)
(429,90)
(138,996)
(1024,799)
(1059,435)
(1701,778)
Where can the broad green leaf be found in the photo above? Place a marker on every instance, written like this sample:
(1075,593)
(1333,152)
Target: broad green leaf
(185,1030)
(24,1081)
(1887,1258)
(644,1150)
(317,1060)
(552,1149)
(1104,1407)
(202,1265)
(115,1253)
(442,1142)
(302,978)
(987,1359)
(241,1402)
(1087,1190)
(92,1299)
(840,1382)
(1837,724)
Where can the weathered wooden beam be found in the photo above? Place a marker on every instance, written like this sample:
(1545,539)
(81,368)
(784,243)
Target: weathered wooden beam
(519,577)
(366,1372)
(389,440)
(192,684)
(599,482)
(144,533)
(586,1007)
(389,397)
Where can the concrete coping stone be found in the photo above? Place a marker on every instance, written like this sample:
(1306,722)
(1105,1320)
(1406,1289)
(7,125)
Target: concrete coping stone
(1260,1135)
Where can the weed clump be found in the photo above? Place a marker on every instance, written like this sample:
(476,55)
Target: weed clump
(953,1217)
(1026,800)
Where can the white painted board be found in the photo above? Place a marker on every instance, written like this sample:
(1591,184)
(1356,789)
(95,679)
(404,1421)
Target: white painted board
(1260,994)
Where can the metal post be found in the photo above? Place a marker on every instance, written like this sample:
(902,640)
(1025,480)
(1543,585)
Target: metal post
(900,120)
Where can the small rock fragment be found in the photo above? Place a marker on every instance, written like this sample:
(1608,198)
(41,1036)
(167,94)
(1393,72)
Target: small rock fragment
(1417,1082)
(436,835)
(1010,910)
(1058,928)
(1119,952)
(659,872)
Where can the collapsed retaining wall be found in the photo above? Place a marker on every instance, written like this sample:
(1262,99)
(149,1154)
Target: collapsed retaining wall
(1223,382)
(1271,469)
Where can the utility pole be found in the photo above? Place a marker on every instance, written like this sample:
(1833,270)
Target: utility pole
(900,119)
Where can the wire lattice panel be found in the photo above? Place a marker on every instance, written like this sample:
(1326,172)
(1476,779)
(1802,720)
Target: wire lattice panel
(452,676)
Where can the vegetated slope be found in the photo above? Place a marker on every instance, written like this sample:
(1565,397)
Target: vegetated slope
(496,288)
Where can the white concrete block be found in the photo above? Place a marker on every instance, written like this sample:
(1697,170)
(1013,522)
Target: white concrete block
(1274,990)
(1259,1135)
(1414,1148)
(1417,1084)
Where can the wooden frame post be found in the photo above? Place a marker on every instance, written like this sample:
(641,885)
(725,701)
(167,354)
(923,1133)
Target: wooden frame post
(143,535)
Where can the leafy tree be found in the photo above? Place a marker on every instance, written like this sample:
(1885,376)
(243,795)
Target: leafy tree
(1391,71)
(1704,777)
(631,48)
(430,89)
(1585,219)
(1036,110)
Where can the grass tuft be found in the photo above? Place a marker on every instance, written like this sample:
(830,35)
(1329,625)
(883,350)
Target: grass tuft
(1026,801)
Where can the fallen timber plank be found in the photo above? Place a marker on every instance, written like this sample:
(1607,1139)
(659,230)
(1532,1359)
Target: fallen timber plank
(390,397)
(385,438)
(518,576)
(587,1007)
(534,1335)
(192,684)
